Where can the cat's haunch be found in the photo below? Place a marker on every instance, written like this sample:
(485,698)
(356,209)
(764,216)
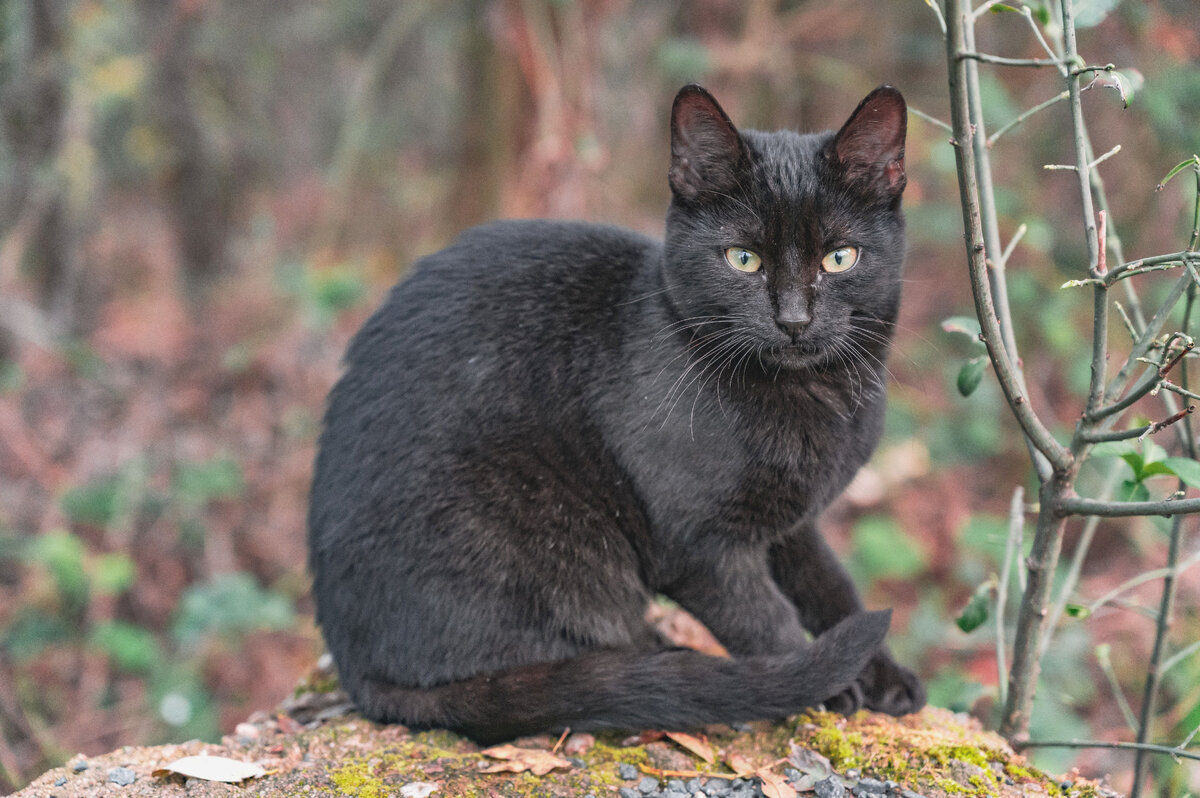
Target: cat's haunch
(548,423)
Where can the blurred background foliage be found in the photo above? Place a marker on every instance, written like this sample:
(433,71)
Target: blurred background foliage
(201,200)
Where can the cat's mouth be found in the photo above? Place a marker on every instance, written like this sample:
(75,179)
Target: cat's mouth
(798,355)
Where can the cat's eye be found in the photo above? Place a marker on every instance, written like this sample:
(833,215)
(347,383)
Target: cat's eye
(840,260)
(743,259)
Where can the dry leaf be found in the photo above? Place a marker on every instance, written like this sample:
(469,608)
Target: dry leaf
(646,736)
(212,768)
(518,760)
(774,785)
(809,762)
(739,764)
(697,746)
(418,789)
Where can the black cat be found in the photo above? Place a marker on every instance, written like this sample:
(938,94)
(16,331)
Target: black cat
(549,422)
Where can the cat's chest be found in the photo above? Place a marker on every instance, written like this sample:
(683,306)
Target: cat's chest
(753,463)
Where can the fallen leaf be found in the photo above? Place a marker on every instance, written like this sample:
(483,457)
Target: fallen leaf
(518,760)
(418,789)
(697,746)
(774,785)
(647,736)
(212,768)
(288,724)
(739,765)
(809,762)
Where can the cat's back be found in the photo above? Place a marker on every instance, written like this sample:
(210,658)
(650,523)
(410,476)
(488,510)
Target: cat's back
(491,338)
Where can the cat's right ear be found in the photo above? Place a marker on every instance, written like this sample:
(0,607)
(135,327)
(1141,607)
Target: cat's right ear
(706,150)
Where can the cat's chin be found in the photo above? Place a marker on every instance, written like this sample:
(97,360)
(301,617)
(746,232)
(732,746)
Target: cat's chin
(796,358)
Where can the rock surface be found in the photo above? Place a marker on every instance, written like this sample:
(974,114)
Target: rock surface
(316,745)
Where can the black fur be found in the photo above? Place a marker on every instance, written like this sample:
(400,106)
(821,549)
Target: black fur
(549,422)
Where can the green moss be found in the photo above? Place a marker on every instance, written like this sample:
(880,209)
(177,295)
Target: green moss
(945,754)
(1018,773)
(840,747)
(357,778)
(949,786)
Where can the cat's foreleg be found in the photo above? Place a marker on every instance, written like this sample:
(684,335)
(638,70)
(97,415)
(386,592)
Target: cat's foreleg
(808,572)
(733,595)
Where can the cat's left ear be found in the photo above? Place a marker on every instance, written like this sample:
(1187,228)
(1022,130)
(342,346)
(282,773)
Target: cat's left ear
(870,146)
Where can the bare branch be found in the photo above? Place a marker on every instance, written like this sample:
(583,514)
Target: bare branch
(1077,505)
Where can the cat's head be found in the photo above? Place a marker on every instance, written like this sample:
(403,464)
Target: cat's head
(790,244)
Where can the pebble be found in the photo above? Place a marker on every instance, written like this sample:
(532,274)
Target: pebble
(122,777)
(829,788)
(80,766)
(628,792)
(60,781)
(648,785)
(627,771)
(870,786)
(247,731)
(693,785)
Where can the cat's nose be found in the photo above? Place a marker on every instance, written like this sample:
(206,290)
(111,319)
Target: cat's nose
(794,322)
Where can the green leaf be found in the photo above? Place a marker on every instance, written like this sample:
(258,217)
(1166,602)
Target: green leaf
(1001,8)
(975,614)
(964,325)
(130,647)
(1153,469)
(1185,468)
(1129,83)
(62,555)
(1112,449)
(1154,452)
(231,605)
(1131,491)
(1136,462)
(1042,12)
(1194,162)
(30,633)
(970,375)
(1077,611)
(197,484)
(1089,13)
(112,574)
(94,504)
(684,58)
(881,550)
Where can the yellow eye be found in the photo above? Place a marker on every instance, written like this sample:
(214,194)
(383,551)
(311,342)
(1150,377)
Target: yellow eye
(743,259)
(840,260)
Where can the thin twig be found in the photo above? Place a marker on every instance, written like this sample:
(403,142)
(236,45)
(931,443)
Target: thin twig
(1075,570)
(1106,667)
(1179,656)
(1062,95)
(987,58)
(1012,243)
(1077,505)
(1177,753)
(1012,548)
(930,119)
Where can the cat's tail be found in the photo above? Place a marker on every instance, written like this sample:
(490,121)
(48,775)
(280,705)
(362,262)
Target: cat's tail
(669,689)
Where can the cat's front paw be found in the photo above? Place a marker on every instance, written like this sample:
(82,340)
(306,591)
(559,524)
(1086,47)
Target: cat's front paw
(884,686)
(890,687)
